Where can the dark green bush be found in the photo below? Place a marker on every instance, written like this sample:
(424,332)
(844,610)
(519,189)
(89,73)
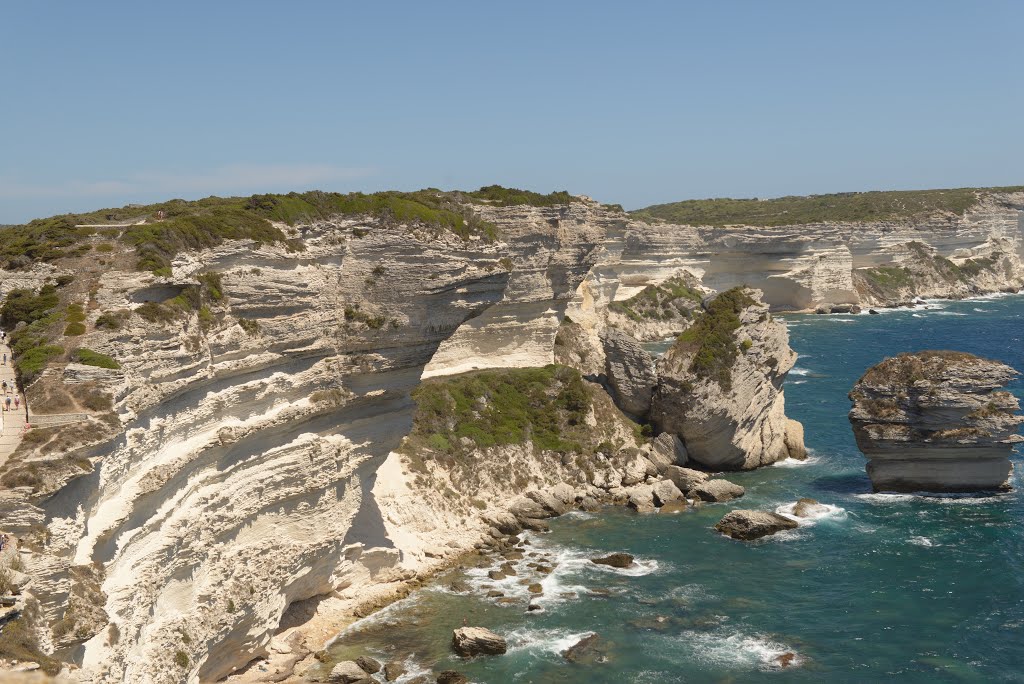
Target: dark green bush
(711,338)
(91,358)
(24,305)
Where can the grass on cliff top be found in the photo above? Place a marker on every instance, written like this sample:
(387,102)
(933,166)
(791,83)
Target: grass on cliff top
(501,407)
(909,367)
(178,225)
(711,339)
(794,210)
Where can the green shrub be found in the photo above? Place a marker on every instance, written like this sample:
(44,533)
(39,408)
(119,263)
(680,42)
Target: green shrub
(205,317)
(110,321)
(213,283)
(104,247)
(64,280)
(711,337)
(181,658)
(156,313)
(31,363)
(501,407)
(91,358)
(25,305)
(249,326)
(74,329)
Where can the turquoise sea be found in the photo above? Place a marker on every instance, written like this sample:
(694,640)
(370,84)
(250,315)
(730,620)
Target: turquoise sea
(913,588)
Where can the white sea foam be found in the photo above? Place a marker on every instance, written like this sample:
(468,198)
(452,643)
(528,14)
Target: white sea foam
(917,315)
(884,498)
(737,650)
(965,499)
(980,310)
(796,382)
(921,541)
(822,512)
(796,463)
(842,320)
(544,640)
(950,313)
(797,370)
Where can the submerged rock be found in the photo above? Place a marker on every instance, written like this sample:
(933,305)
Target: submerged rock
(393,670)
(720,385)
(749,525)
(368,664)
(615,560)
(348,672)
(471,641)
(452,677)
(588,650)
(936,421)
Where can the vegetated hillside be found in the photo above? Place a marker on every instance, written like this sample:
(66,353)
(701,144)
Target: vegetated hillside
(794,210)
(160,231)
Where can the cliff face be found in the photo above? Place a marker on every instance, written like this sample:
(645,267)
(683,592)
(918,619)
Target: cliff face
(801,267)
(720,386)
(936,421)
(241,462)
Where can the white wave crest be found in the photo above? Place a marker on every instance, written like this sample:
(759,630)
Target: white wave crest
(922,541)
(819,512)
(796,463)
(739,650)
(544,640)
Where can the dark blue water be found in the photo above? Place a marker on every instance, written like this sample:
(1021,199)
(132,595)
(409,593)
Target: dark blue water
(923,589)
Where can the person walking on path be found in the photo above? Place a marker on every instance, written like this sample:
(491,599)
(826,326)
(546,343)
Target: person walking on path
(7,401)
(17,401)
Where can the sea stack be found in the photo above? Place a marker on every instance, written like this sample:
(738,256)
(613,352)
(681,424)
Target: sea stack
(720,385)
(936,421)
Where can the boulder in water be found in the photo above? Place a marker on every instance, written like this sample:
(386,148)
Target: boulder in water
(368,665)
(452,677)
(808,508)
(472,641)
(393,671)
(665,491)
(750,525)
(718,491)
(615,560)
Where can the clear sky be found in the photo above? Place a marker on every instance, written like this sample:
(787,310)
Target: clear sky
(107,103)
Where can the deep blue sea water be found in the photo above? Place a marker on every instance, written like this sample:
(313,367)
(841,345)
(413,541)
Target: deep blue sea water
(916,588)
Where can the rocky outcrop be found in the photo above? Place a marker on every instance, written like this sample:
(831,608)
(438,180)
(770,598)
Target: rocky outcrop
(473,641)
(720,386)
(630,371)
(348,672)
(749,525)
(615,560)
(936,421)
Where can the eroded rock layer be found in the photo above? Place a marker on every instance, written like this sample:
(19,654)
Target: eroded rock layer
(224,480)
(936,421)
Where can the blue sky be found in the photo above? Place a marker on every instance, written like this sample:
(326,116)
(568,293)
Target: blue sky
(106,103)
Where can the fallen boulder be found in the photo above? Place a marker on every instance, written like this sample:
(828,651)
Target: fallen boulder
(472,641)
(750,525)
(718,491)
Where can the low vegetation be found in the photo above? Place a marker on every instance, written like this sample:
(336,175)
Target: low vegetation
(711,339)
(545,406)
(674,298)
(91,358)
(847,206)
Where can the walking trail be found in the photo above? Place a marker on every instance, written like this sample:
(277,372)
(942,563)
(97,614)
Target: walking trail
(13,420)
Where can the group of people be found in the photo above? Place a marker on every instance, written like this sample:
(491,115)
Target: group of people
(8,389)
(4,541)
